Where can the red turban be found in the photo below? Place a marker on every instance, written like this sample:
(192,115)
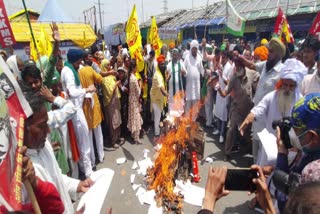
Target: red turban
(161,59)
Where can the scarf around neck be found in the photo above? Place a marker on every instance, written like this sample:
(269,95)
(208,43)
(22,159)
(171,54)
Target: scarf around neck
(75,73)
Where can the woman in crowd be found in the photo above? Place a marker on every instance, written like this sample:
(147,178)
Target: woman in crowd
(134,117)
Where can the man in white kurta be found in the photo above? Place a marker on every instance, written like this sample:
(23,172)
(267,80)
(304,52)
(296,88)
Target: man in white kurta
(175,71)
(311,82)
(278,104)
(194,68)
(71,84)
(47,169)
(221,108)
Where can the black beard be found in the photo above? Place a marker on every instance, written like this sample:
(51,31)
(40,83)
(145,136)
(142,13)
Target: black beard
(89,63)
(270,64)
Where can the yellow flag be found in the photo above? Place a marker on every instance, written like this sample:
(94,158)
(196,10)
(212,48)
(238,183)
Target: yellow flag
(133,39)
(154,38)
(43,44)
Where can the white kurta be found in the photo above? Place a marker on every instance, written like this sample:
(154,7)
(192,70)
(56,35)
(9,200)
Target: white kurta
(76,95)
(47,169)
(268,109)
(194,68)
(220,110)
(175,106)
(310,84)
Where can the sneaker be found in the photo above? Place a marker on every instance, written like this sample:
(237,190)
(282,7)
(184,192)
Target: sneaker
(235,149)
(221,139)
(116,146)
(216,132)
(226,158)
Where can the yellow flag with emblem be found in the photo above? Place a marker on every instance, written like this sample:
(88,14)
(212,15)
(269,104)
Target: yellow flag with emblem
(133,39)
(154,37)
(44,45)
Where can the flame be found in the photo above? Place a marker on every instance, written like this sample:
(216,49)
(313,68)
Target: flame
(173,143)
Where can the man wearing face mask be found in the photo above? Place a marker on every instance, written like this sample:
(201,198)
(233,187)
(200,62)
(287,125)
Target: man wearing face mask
(304,135)
(242,84)
(311,82)
(278,103)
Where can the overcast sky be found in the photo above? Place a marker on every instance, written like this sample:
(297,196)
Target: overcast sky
(114,10)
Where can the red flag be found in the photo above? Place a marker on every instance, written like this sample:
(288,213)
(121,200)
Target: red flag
(6,34)
(282,26)
(315,28)
(13,110)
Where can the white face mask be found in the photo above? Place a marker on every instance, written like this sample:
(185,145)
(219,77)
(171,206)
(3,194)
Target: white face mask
(294,139)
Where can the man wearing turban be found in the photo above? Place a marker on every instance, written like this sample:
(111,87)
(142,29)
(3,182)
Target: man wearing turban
(158,93)
(278,103)
(269,75)
(71,84)
(194,68)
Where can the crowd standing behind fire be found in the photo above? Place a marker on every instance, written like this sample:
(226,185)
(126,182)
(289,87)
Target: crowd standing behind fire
(241,90)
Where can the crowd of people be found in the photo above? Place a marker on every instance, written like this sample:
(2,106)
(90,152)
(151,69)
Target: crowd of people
(97,98)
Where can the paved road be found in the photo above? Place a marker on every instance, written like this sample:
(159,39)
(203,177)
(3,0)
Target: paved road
(235,202)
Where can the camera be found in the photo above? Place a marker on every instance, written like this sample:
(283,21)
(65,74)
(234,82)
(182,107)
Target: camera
(285,125)
(285,182)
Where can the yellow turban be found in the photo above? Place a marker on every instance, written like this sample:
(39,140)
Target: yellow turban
(264,41)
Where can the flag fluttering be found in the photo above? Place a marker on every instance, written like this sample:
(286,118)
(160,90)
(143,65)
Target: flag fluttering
(235,23)
(282,26)
(43,43)
(315,28)
(154,37)
(133,38)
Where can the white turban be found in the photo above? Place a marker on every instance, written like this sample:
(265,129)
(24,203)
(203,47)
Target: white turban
(194,43)
(293,69)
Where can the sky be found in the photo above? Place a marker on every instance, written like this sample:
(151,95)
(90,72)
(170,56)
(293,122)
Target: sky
(113,11)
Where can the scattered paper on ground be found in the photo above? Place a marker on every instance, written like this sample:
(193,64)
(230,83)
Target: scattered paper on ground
(132,177)
(144,165)
(135,165)
(121,160)
(135,186)
(153,209)
(192,194)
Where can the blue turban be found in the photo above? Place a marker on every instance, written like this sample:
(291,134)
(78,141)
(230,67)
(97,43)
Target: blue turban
(306,112)
(74,55)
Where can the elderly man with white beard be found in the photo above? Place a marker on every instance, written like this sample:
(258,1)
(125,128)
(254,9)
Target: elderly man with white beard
(278,103)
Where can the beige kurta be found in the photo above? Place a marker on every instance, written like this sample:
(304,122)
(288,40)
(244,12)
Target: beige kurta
(134,117)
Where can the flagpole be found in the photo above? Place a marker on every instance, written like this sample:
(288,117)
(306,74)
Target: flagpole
(33,39)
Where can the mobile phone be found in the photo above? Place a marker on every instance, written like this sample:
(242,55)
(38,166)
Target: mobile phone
(241,179)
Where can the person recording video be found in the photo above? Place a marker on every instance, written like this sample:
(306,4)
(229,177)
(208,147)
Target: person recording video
(304,136)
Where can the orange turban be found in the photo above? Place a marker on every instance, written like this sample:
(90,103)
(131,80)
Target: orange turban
(161,59)
(262,52)
(172,45)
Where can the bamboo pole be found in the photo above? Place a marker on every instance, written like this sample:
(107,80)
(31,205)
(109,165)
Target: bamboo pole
(32,35)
